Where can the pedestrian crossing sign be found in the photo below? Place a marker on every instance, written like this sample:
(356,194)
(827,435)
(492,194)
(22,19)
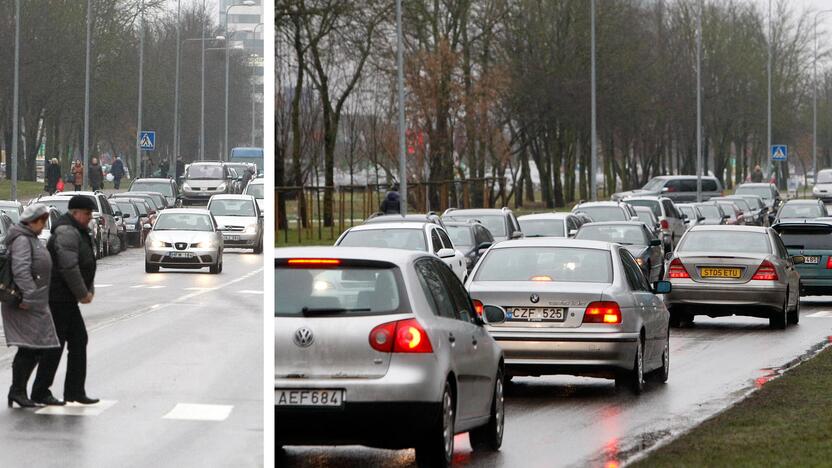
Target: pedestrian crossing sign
(147,140)
(779,152)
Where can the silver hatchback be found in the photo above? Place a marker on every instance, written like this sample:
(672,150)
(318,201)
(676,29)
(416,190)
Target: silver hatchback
(576,307)
(382,347)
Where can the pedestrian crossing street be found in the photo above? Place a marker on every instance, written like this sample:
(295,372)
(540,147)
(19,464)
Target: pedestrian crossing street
(181,411)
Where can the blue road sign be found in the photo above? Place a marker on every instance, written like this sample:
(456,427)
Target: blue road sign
(147,140)
(779,152)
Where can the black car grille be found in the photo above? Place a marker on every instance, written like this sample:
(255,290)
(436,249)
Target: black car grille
(181,245)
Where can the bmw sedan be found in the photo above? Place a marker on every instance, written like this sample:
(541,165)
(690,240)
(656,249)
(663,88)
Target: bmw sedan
(184,238)
(382,347)
(721,271)
(242,221)
(574,307)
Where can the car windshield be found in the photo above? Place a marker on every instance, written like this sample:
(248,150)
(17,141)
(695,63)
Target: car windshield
(12,213)
(183,222)
(621,234)
(227,207)
(806,237)
(461,236)
(801,210)
(654,185)
(495,224)
(204,171)
(654,206)
(406,239)
(162,187)
(760,191)
(824,177)
(542,227)
(687,211)
(346,291)
(729,208)
(725,241)
(142,208)
(255,190)
(742,204)
(645,214)
(126,208)
(604,213)
(59,204)
(559,264)
(710,211)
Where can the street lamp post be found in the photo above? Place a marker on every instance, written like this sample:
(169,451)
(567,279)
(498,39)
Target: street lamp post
(86,155)
(768,149)
(172,162)
(253,80)
(400,84)
(141,86)
(815,100)
(227,35)
(593,166)
(15,104)
(699,104)
(202,97)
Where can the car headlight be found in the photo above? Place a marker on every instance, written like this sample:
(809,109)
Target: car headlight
(251,229)
(207,244)
(186,187)
(221,186)
(156,244)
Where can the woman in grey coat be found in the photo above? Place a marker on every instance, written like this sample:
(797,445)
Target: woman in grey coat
(28,326)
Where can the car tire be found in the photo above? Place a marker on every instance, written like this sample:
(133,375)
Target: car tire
(794,316)
(437,447)
(490,436)
(214,269)
(258,249)
(633,379)
(779,318)
(148,268)
(661,374)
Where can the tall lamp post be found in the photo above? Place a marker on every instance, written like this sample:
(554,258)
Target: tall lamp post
(225,133)
(175,157)
(768,120)
(400,85)
(202,98)
(593,166)
(141,86)
(86,155)
(815,101)
(12,162)
(253,80)
(699,104)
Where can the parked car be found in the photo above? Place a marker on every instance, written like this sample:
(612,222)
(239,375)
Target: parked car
(500,221)
(471,238)
(46,233)
(679,188)
(166,187)
(734,270)
(636,237)
(12,209)
(671,221)
(795,210)
(606,211)
(823,187)
(380,218)
(574,307)
(159,199)
(241,219)
(133,221)
(364,335)
(152,202)
(186,238)
(103,224)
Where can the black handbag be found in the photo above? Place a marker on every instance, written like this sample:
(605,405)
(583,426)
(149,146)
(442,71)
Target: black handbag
(9,292)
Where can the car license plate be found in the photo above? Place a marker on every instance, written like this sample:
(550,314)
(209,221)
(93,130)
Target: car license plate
(181,255)
(308,397)
(536,314)
(814,259)
(732,273)
(233,238)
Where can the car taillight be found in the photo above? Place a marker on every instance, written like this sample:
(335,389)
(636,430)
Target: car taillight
(766,272)
(403,336)
(829,262)
(314,261)
(478,307)
(602,312)
(665,224)
(677,270)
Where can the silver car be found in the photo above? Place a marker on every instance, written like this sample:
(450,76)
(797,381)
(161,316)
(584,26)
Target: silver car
(382,347)
(734,270)
(670,220)
(606,211)
(549,224)
(574,307)
(242,221)
(184,238)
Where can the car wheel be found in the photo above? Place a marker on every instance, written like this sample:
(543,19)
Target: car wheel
(490,436)
(437,448)
(214,269)
(778,320)
(259,248)
(148,268)
(662,373)
(794,315)
(634,378)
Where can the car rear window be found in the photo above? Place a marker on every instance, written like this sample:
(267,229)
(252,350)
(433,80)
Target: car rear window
(654,206)
(542,227)
(559,264)
(710,211)
(725,241)
(496,224)
(406,239)
(800,210)
(621,234)
(760,191)
(343,291)
(807,238)
(604,213)
(461,235)
(687,211)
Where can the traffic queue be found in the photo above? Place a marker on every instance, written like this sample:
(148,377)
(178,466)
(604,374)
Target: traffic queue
(427,319)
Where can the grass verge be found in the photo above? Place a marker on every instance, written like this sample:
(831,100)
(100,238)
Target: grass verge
(785,423)
(289,238)
(26,190)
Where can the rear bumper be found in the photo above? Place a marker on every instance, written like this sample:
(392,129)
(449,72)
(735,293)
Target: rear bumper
(596,354)
(815,286)
(722,300)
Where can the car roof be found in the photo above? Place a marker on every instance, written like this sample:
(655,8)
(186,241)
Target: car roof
(397,256)
(79,192)
(669,177)
(553,242)
(474,212)
(391,225)
(152,179)
(559,215)
(186,211)
(450,224)
(233,196)
(213,163)
(655,198)
(615,223)
(598,203)
(802,201)
(728,228)
(756,184)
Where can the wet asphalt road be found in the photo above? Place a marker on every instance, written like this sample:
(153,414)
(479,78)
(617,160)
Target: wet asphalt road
(157,342)
(571,421)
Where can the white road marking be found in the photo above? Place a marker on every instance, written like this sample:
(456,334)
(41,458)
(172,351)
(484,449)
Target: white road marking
(103,285)
(77,409)
(148,286)
(197,412)
(821,314)
(249,291)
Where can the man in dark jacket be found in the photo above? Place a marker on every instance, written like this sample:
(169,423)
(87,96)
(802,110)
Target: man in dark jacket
(96,175)
(757,175)
(117,170)
(53,175)
(73,279)
(392,202)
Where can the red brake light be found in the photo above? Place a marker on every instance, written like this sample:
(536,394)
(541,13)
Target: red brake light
(602,312)
(829,262)
(665,224)
(677,270)
(766,272)
(314,261)
(478,307)
(403,336)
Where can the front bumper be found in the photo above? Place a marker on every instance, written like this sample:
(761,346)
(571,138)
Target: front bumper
(722,300)
(166,257)
(594,354)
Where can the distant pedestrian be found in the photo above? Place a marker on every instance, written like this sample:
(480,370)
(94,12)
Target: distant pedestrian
(29,325)
(95,175)
(164,166)
(392,202)
(757,175)
(180,169)
(117,170)
(73,281)
(77,173)
(53,175)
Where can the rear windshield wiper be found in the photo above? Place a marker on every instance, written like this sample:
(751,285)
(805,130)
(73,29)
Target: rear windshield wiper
(306,311)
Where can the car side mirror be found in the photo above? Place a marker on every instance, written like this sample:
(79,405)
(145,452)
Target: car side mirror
(684,216)
(687,221)
(443,253)
(493,315)
(573,232)
(798,259)
(146,226)
(516,235)
(662,287)
(655,242)
(262,215)
(700,219)
(483,247)
(125,215)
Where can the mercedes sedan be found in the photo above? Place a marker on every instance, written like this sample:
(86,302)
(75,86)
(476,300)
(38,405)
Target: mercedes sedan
(184,238)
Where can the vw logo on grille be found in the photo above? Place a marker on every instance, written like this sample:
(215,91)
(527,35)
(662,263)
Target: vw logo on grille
(303,337)
(181,245)
(534,298)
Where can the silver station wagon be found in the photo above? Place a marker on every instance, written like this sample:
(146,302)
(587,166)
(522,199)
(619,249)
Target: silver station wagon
(574,307)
